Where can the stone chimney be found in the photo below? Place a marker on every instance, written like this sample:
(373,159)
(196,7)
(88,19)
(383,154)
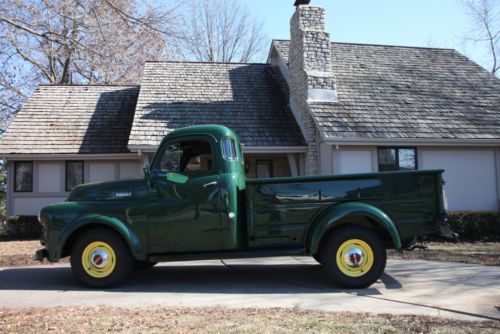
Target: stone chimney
(311,76)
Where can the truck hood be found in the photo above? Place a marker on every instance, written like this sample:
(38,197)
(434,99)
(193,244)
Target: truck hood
(114,190)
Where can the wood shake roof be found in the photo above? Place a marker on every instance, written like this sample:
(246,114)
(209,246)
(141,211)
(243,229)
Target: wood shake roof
(251,99)
(407,92)
(73,119)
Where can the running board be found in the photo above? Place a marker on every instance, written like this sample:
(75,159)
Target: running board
(227,255)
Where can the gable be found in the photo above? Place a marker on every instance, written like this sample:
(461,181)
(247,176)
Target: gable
(251,99)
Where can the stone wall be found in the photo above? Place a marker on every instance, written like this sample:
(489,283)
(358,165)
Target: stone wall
(310,69)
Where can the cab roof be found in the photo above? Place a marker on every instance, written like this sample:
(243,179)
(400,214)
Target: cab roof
(216,131)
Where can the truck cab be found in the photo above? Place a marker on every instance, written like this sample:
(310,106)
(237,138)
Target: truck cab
(196,175)
(195,203)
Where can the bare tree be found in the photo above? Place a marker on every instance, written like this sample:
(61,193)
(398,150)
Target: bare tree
(221,30)
(108,41)
(77,41)
(485,15)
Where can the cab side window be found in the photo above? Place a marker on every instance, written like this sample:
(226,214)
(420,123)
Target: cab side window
(192,158)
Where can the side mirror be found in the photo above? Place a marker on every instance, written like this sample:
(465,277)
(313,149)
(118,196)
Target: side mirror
(177,178)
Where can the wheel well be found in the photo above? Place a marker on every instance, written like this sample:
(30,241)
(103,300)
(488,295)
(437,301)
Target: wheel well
(82,229)
(359,221)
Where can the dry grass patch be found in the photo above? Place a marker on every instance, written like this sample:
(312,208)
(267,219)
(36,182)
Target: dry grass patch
(19,253)
(487,253)
(217,320)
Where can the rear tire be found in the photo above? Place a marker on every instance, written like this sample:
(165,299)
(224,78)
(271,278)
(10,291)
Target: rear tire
(101,259)
(354,257)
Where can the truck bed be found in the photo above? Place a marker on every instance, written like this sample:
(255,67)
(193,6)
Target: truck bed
(281,210)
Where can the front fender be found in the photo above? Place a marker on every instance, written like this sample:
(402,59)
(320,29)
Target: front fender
(114,223)
(332,218)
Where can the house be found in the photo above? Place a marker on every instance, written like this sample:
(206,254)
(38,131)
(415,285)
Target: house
(315,107)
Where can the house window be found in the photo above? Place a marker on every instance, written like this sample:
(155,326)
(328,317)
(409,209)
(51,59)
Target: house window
(23,178)
(397,158)
(264,168)
(74,174)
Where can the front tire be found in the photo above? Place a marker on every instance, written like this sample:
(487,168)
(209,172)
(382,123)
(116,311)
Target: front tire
(354,257)
(317,257)
(101,259)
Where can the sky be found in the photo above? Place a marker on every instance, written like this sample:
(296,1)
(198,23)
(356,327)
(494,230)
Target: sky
(427,23)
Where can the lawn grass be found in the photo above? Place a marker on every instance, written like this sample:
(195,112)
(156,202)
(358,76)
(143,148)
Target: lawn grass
(487,253)
(158,319)
(20,253)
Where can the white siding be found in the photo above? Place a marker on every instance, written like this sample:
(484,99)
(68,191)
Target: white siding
(470,176)
(130,170)
(30,206)
(354,161)
(101,171)
(50,177)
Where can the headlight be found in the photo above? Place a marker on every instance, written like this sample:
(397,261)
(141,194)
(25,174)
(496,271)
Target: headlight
(39,216)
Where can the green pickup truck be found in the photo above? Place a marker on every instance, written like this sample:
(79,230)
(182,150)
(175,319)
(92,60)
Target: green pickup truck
(195,203)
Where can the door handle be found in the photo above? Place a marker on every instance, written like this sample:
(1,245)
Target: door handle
(206,185)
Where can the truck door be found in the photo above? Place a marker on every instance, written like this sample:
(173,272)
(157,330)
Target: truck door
(184,213)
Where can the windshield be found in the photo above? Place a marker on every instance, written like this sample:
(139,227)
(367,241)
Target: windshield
(191,157)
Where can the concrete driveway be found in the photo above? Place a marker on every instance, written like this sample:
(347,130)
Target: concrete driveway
(408,287)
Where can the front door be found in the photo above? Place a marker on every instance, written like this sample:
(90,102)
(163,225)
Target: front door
(184,214)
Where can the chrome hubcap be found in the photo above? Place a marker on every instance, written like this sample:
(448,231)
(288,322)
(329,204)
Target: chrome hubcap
(354,257)
(99,258)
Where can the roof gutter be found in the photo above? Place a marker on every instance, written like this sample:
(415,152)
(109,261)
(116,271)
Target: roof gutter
(274,149)
(68,156)
(246,149)
(412,141)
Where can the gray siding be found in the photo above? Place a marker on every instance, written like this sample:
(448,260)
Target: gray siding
(49,181)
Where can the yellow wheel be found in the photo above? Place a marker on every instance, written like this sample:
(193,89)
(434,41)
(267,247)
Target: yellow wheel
(98,259)
(353,256)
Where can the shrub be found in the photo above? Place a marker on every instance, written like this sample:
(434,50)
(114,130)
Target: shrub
(20,228)
(476,225)
(3,206)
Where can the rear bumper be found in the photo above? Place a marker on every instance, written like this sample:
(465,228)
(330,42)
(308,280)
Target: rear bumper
(445,231)
(441,232)
(41,254)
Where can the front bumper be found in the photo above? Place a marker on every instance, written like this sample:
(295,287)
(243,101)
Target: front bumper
(41,254)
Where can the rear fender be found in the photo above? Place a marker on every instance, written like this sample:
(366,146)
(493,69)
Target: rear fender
(333,218)
(117,225)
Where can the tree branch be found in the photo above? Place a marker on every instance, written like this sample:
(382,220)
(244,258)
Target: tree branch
(129,18)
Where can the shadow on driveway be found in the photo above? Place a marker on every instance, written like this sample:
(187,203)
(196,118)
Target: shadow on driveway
(232,279)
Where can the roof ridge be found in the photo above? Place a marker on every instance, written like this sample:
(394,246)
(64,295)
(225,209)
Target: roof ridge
(201,62)
(395,46)
(89,85)
(375,44)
